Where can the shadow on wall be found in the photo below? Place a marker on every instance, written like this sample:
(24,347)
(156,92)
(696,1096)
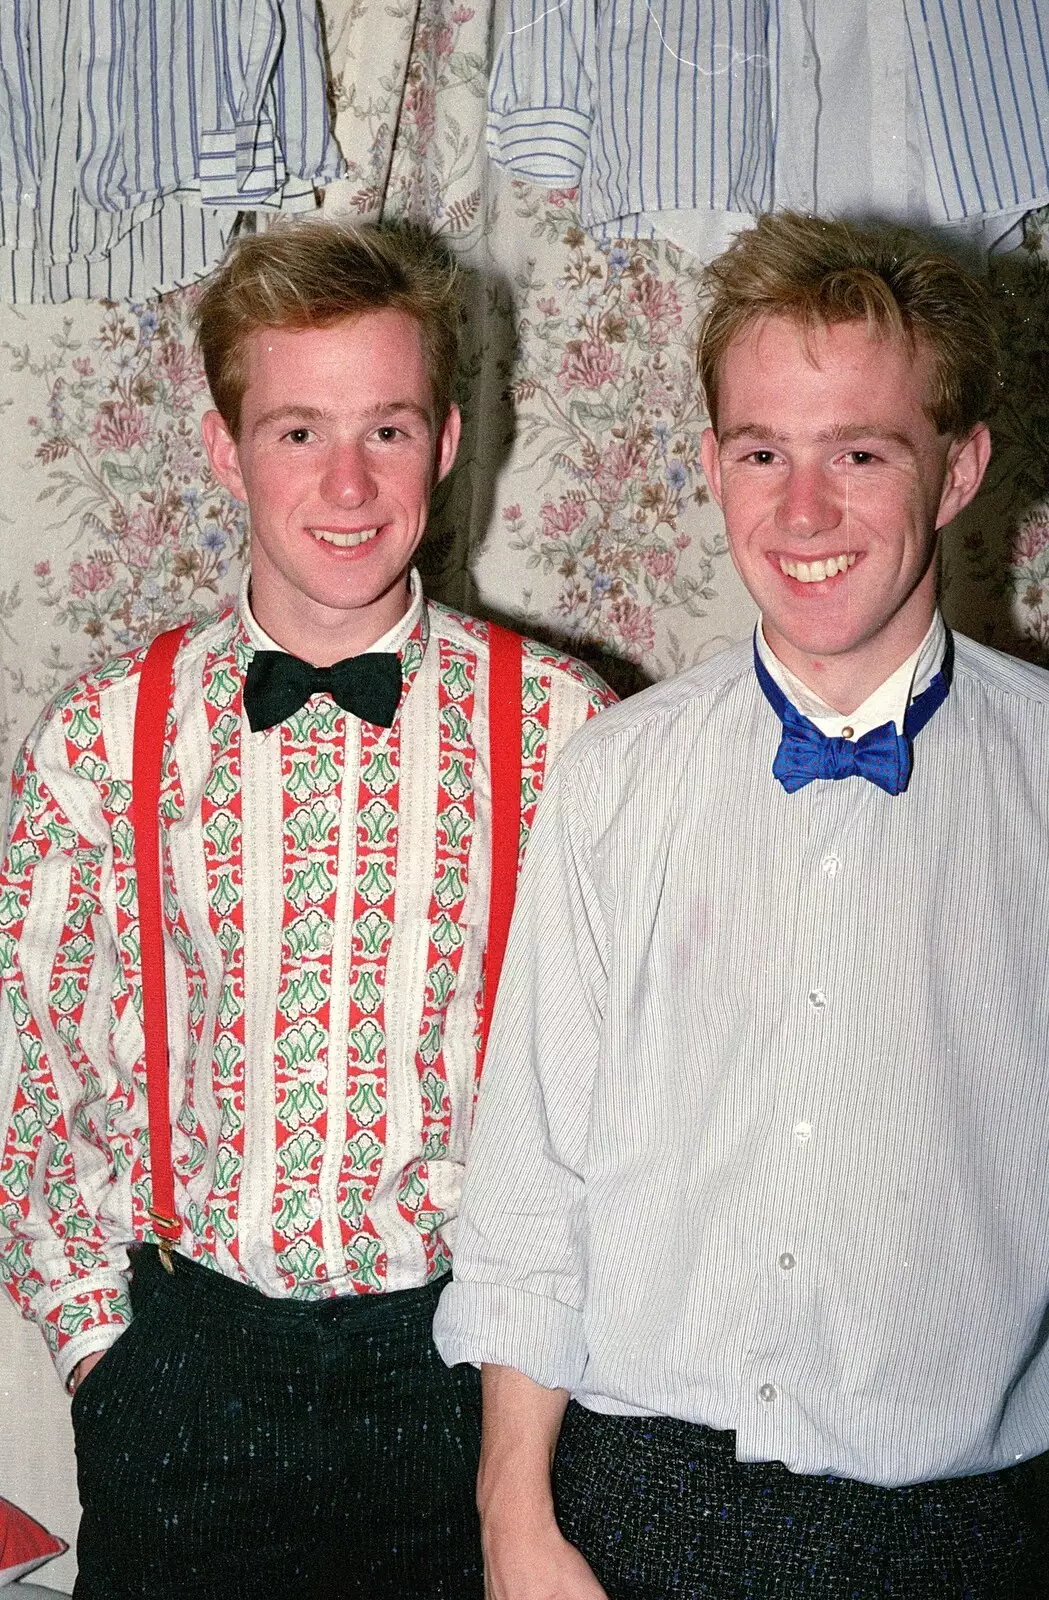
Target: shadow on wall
(463,505)
(996,554)
(464,512)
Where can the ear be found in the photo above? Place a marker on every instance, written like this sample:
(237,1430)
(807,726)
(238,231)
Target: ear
(966,464)
(708,455)
(447,444)
(222,453)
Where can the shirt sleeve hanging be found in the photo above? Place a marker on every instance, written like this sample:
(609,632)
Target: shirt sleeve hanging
(133,133)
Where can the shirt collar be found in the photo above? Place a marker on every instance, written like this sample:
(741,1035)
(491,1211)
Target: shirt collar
(393,641)
(887,703)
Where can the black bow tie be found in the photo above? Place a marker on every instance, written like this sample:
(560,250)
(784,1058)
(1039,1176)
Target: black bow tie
(277,685)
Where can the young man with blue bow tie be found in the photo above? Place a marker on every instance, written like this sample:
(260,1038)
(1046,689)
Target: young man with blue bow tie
(237,1276)
(754,1243)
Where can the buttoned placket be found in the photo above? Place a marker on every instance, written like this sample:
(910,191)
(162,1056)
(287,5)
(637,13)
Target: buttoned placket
(830,811)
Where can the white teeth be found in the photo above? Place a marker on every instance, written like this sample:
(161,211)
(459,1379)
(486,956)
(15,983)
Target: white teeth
(816,571)
(344,540)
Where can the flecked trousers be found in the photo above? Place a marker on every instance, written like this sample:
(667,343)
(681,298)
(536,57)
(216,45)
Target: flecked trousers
(236,1447)
(662,1510)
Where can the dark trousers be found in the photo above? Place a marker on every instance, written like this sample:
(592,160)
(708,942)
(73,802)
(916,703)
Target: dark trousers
(236,1447)
(662,1508)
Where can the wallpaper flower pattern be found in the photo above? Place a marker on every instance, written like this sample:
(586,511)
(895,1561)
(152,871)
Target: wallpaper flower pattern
(577,509)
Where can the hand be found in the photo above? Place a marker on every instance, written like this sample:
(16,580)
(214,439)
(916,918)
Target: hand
(82,1368)
(543,1567)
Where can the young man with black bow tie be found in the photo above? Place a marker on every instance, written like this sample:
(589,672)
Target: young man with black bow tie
(755,1239)
(240,1287)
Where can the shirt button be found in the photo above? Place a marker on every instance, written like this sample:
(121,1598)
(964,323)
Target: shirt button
(817,999)
(768,1392)
(323,939)
(831,865)
(786,1261)
(803,1132)
(847,732)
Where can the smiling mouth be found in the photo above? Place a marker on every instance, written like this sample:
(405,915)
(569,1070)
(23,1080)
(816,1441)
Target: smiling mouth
(344,541)
(816,571)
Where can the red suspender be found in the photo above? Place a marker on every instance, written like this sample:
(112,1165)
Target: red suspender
(155,690)
(504,758)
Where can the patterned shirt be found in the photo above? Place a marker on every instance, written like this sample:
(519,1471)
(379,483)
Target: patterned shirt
(326,888)
(763,1141)
(932,110)
(132,132)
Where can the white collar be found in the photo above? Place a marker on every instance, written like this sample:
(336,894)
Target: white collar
(393,640)
(887,703)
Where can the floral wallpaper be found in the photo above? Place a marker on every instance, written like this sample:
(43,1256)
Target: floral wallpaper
(577,509)
(110,520)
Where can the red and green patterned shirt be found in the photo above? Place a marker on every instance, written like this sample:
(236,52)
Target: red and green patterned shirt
(326,897)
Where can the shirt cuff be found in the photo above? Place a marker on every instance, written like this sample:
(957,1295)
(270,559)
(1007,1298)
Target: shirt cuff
(84,1322)
(546,144)
(506,1327)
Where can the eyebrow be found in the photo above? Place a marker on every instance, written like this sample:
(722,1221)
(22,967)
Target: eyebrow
(839,434)
(304,413)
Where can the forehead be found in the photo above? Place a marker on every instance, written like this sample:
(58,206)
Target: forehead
(780,362)
(369,354)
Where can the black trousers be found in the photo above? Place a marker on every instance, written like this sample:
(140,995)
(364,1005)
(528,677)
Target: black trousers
(236,1447)
(662,1509)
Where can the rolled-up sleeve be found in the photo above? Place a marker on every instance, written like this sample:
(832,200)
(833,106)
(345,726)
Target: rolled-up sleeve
(520,1249)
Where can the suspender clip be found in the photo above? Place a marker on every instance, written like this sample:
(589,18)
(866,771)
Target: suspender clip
(164,1244)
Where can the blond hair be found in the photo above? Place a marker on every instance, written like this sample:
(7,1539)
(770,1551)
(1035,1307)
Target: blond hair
(308,274)
(819,272)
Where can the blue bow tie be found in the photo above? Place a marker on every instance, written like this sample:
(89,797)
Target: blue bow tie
(883,756)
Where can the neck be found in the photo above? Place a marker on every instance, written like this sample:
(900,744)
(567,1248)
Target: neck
(845,681)
(322,634)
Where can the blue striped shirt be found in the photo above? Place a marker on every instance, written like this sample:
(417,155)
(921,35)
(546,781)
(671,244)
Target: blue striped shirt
(132,133)
(651,105)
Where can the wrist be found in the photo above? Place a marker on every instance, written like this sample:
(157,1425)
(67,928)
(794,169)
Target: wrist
(509,1498)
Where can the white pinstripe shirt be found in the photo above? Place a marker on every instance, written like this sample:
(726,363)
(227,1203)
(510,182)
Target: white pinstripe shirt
(763,1140)
(652,106)
(132,132)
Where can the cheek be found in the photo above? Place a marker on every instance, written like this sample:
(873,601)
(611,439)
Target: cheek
(274,487)
(748,502)
(747,514)
(411,488)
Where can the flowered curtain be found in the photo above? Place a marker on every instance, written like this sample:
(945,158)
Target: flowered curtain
(577,509)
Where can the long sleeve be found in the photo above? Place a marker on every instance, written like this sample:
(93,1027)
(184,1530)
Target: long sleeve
(517,1298)
(542,95)
(326,913)
(60,997)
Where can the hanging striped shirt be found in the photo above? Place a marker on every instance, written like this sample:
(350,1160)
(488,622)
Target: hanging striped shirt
(657,105)
(133,132)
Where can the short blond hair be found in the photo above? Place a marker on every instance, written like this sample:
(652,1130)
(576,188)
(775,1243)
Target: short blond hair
(311,273)
(818,272)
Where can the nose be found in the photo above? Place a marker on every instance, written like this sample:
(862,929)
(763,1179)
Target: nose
(348,479)
(808,503)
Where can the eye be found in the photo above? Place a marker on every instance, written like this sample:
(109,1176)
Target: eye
(761,458)
(299,435)
(388,433)
(859,458)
